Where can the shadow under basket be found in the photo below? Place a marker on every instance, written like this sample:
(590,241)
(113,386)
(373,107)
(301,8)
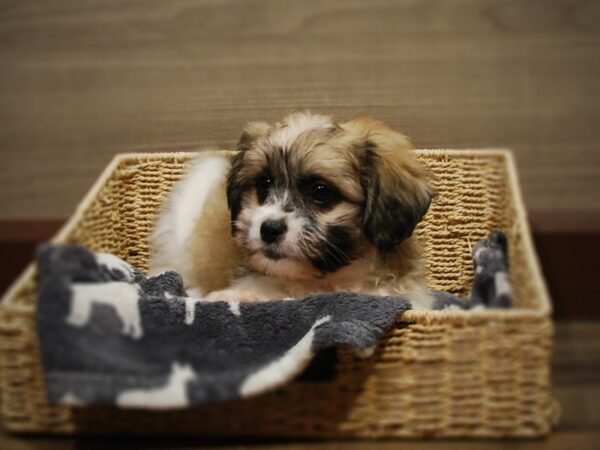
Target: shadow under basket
(482,373)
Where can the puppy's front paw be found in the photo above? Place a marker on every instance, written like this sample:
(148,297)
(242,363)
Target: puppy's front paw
(234,295)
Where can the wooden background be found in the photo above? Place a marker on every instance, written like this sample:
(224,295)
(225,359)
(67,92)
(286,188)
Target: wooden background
(83,79)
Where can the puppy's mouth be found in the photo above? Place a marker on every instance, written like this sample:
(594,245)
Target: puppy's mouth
(273,253)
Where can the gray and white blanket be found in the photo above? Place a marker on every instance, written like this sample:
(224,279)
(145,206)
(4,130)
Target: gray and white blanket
(109,335)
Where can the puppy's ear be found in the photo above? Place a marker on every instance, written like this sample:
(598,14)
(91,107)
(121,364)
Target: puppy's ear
(236,185)
(252,132)
(398,192)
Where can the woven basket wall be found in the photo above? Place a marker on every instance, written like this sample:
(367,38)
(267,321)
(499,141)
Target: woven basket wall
(451,373)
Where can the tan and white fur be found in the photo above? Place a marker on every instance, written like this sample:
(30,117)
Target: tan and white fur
(308,204)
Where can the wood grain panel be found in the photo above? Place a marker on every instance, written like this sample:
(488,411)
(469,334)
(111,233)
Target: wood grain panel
(81,80)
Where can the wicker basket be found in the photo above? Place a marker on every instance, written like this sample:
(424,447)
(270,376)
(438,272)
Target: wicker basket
(442,373)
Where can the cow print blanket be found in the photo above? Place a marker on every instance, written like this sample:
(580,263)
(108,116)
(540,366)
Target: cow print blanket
(109,335)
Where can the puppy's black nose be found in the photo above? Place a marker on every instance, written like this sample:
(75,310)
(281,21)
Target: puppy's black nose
(272,230)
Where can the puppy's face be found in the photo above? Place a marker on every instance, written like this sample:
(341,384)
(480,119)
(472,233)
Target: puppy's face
(309,196)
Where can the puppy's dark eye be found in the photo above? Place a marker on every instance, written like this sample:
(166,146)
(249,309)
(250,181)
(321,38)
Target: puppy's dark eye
(263,185)
(322,194)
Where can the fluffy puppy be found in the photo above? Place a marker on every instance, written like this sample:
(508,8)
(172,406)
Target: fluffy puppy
(314,205)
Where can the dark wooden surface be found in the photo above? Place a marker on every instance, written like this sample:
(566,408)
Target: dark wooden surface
(576,375)
(81,80)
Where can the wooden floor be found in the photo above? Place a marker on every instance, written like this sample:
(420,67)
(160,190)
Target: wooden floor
(576,376)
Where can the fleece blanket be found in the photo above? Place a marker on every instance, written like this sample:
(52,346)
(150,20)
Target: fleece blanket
(109,335)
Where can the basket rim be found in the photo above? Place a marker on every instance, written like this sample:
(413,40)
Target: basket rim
(543,310)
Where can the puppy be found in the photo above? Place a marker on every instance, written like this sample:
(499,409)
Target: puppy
(308,204)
